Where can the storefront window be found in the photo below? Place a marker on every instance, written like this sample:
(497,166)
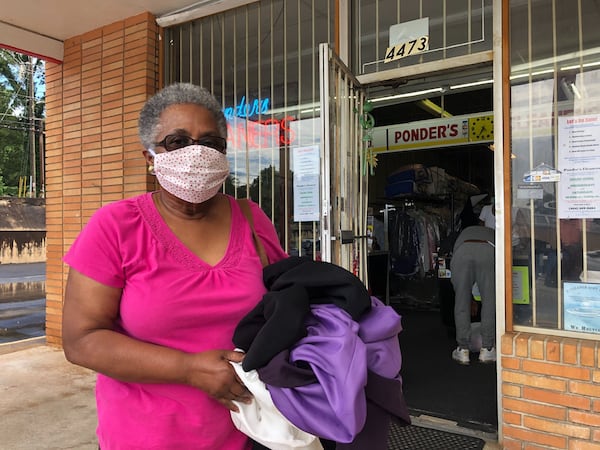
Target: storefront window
(455,28)
(261,61)
(555,146)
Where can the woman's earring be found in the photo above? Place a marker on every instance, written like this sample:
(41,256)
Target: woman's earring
(151,169)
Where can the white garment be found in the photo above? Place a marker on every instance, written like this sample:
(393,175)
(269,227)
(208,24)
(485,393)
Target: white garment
(487,216)
(263,422)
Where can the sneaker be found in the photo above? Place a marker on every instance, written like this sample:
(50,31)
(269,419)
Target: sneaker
(461,355)
(487,355)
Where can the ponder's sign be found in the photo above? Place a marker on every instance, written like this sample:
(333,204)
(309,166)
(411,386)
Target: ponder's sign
(443,132)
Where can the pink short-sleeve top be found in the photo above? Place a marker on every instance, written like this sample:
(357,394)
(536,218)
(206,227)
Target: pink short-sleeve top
(171,298)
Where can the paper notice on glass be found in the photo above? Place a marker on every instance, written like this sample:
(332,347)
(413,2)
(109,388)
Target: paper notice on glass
(581,307)
(520,285)
(306,165)
(530,191)
(579,163)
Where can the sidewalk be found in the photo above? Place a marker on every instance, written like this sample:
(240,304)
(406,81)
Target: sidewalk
(47,403)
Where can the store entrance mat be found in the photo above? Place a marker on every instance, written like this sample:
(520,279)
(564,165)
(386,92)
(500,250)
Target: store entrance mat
(412,437)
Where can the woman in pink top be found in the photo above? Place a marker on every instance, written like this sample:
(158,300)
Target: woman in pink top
(158,283)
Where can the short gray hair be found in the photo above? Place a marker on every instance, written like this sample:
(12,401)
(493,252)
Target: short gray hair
(177,94)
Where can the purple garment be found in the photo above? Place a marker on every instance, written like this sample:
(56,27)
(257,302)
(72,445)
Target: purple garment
(339,351)
(335,407)
(379,329)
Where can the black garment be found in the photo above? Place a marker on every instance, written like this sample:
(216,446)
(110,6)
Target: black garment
(467,216)
(327,445)
(404,244)
(324,283)
(281,372)
(275,323)
(385,402)
(295,283)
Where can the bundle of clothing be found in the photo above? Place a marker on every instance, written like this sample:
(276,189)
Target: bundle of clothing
(322,359)
(414,236)
(420,180)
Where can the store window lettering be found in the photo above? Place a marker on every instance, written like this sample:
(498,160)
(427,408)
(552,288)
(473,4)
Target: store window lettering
(258,133)
(261,133)
(582,120)
(245,109)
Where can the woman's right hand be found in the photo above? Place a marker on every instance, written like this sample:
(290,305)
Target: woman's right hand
(211,372)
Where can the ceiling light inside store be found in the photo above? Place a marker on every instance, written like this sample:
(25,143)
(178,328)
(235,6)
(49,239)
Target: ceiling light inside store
(532,74)
(436,90)
(310,111)
(474,83)
(528,67)
(304,108)
(407,95)
(579,66)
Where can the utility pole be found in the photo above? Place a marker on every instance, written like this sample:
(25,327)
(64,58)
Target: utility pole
(31,117)
(42,151)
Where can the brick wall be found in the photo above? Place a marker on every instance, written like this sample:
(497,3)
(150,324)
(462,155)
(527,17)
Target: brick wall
(93,155)
(550,392)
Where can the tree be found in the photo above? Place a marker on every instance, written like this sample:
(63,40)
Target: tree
(13,159)
(268,182)
(263,184)
(22,112)
(267,189)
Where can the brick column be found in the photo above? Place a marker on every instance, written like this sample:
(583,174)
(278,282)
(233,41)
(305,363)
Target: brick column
(550,392)
(93,155)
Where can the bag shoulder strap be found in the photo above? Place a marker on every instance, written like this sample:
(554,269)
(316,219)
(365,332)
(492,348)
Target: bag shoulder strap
(260,249)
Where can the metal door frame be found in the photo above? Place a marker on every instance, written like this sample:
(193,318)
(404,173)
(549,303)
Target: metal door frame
(344,194)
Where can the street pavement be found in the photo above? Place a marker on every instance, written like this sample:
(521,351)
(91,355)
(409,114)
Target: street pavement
(11,273)
(22,301)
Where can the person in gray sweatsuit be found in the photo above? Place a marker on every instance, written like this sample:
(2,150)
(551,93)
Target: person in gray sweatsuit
(473,261)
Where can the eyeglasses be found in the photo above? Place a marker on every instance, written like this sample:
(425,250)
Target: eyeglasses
(176,141)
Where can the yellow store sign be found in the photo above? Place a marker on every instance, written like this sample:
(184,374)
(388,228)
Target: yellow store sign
(443,132)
